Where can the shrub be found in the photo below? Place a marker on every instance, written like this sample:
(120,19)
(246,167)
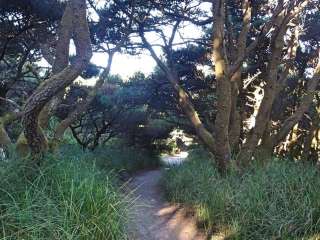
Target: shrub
(121,157)
(277,201)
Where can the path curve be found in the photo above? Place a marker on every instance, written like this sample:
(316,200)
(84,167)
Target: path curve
(155,219)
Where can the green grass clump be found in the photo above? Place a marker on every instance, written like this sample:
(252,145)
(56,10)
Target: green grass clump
(68,197)
(277,201)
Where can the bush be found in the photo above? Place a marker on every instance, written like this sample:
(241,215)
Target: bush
(121,157)
(278,201)
(117,156)
(69,198)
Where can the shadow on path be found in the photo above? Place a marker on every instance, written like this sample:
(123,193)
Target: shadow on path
(155,219)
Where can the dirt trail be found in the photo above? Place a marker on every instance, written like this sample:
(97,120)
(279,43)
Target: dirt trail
(155,219)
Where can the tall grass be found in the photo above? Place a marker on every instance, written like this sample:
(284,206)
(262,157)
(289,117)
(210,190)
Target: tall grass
(278,201)
(67,198)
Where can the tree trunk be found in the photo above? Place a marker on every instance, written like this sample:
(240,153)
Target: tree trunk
(59,62)
(4,138)
(74,115)
(270,91)
(235,127)
(223,89)
(307,143)
(58,82)
(304,106)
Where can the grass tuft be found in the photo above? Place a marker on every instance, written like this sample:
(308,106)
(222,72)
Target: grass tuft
(67,198)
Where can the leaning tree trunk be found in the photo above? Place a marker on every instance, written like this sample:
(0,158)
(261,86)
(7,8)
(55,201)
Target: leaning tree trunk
(81,108)
(55,84)
(59,62)
(271,77)
(306,101)
(185,102)
(274,80)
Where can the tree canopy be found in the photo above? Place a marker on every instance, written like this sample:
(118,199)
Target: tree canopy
(247,85)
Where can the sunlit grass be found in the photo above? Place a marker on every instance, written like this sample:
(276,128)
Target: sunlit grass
(278,201)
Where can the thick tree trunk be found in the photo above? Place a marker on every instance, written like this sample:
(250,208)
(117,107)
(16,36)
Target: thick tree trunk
(58,82)
(235,127)
(223,88)
(59,62)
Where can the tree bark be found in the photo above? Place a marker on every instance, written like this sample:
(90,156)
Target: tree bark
(55,84)
(235,127)
(270,90)
(59,62)
(307,143)
(304,107)
(223,89)
(4,137)
(185,103)
(74,115)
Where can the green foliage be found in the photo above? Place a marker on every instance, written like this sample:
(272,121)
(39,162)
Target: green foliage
(118,156)
(278,201)
(121,109)
(69,198)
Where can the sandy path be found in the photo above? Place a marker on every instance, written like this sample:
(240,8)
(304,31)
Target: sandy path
(155,219)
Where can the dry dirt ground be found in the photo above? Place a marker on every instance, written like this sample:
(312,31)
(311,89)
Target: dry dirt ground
(153,218)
